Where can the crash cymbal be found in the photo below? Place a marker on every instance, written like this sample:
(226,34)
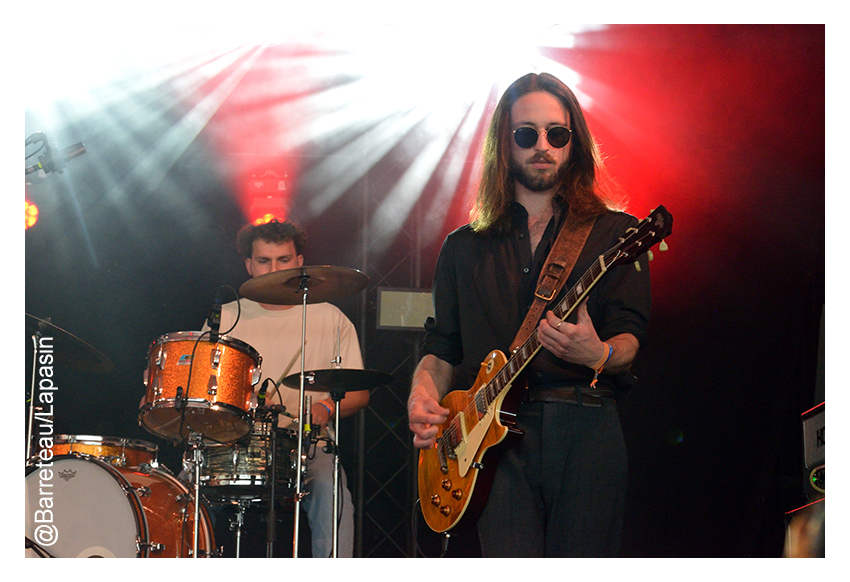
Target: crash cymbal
(323,284)
(68,349)
(338,380)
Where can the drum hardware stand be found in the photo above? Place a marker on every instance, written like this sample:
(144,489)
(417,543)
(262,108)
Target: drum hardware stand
(197,444)
(275,288)
(239,522)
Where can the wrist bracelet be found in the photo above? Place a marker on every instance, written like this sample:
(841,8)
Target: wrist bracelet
(601,364)
(330,412)
(604,359)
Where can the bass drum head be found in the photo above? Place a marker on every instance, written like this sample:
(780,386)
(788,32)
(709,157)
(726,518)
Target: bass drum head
(83,508)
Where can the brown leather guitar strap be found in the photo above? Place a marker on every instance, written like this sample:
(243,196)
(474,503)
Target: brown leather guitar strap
(559,264)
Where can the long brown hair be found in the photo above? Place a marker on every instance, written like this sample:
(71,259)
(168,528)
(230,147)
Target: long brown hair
(579,188)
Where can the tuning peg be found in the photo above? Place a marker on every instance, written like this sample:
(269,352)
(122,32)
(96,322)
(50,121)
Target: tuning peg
(637,266)
(649,255)
(662,246)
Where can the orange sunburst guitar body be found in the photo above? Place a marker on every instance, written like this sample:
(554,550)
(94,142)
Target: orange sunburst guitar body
(455,476)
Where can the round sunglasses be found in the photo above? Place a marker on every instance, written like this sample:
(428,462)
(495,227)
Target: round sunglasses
(558,136)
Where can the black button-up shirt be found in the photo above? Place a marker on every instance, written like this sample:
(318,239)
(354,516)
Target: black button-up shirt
(484,286)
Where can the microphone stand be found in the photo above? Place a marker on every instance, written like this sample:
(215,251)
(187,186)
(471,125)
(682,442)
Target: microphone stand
(271,526)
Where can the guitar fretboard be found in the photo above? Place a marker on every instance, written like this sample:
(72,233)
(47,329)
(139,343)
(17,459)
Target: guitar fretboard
(523,354)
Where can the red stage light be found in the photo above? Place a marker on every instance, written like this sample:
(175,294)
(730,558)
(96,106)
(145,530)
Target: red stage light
(266,218)
(30,214)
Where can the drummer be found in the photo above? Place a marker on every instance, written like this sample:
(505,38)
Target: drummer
(275,332)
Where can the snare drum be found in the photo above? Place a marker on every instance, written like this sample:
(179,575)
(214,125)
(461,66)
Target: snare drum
(82,507)
(113,450)
(242,470)
(194,385)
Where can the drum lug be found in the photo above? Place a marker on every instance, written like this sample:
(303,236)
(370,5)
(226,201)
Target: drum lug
(143,491)
(145,378)
(215,357)
(255,375)
(157,387)
(212,386)
(153,547)
(117,460)
(160,358)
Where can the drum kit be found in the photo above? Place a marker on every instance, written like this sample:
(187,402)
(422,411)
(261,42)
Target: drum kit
(99,496)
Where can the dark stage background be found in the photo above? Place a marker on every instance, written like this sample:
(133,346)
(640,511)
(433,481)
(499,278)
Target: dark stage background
(724,125)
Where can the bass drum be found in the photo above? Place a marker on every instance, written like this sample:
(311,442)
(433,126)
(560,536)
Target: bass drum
(82,507)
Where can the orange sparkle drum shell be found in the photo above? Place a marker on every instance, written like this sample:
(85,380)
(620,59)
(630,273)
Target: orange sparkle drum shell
(197,386)
(170,514)
(113,450)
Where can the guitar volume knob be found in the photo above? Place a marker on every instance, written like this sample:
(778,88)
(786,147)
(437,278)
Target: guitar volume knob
(435,500)
(446,484)
(445,510)
(457,494)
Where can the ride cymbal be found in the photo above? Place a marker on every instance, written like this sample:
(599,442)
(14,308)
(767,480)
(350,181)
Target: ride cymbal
(323,284)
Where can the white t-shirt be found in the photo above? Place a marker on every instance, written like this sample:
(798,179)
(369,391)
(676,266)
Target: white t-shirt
(276,336)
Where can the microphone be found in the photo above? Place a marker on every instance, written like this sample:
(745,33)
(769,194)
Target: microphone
(261,395)
(308,417)
(214,318)
(53,159)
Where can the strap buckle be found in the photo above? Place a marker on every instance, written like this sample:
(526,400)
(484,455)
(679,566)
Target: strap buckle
(547,293)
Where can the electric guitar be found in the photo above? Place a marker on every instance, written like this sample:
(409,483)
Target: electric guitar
(455,476)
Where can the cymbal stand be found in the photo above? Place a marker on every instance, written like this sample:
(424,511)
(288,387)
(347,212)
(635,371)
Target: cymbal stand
(35,339)
(304,287)
(336,396)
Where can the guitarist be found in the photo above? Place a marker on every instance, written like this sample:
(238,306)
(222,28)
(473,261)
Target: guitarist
(560,491)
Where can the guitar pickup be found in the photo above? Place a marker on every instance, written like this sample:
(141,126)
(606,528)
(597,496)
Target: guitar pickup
(481,403)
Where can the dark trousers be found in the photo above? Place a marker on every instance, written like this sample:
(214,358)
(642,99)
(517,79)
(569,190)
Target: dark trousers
(561,491)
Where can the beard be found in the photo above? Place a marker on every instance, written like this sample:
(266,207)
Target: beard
(536,180)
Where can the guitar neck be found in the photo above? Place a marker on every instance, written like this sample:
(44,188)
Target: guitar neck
(523,355)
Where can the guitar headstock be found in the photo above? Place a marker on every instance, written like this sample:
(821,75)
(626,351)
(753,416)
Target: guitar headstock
(640,239)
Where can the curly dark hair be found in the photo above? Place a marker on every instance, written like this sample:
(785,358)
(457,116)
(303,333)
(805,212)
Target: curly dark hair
(273,232)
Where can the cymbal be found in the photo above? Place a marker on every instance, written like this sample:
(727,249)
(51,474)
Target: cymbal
(323,283)
(338,380)
(68,349)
